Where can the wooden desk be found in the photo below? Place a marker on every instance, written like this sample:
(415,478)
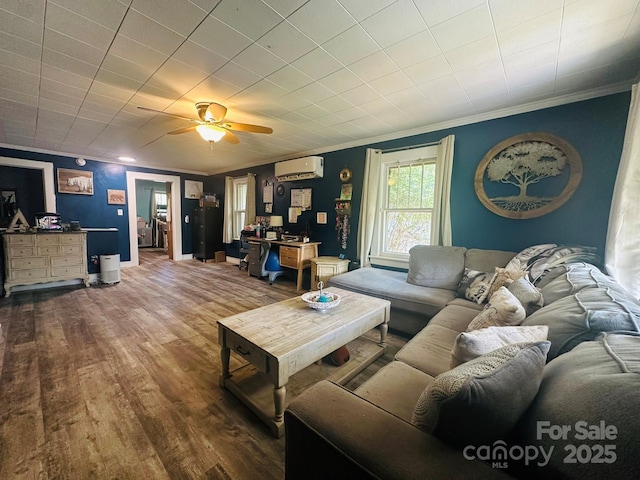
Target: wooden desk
(296,255)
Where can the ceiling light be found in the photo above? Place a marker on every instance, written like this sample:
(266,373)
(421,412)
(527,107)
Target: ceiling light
(127,159)
(211,133)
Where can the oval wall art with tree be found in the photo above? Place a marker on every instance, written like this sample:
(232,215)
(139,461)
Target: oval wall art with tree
(528,175)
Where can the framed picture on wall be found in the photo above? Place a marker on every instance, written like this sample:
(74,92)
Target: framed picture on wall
(193,189)
(79,182)
(116,197)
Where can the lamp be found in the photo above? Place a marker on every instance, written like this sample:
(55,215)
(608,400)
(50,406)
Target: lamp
(276,223)
(211,133)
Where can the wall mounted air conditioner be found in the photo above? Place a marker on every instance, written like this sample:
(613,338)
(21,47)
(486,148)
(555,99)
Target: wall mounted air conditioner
(300,169)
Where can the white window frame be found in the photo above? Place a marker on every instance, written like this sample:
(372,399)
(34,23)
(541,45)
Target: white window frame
(392,159)
(238,214)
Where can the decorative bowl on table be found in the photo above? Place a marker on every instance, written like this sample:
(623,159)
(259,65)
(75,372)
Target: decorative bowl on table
(320,300)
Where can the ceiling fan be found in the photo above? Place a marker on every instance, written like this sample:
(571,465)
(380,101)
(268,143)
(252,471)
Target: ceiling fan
(212,127)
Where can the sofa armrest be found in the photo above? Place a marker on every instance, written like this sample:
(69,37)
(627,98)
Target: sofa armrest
(333,433)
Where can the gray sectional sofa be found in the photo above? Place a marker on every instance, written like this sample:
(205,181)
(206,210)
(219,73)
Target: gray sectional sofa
(431,283)
(561,408)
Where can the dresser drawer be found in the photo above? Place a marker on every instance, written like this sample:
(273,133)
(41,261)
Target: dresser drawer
(71,239)
(66,260)
(246,350)
(22,251)
(21,239)
(67,270)
(49,250)
(71,249)
(48,239)
(289,256)
(29,275)
(28,263)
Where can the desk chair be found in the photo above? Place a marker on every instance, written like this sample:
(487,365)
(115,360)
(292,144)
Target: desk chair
(244,249)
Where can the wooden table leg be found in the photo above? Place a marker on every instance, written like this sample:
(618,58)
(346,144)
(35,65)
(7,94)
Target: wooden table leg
(225,354)
(279,395)
(299,282)
(384,328)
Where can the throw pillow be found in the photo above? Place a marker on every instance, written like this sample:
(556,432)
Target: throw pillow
(470,345)
(503,277)
(581,317)
(480,401)
(503,309)
(524,258)
(474,285)
(436,266)
(530,297)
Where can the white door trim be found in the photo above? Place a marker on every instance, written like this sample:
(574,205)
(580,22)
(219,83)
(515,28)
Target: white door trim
(176,214)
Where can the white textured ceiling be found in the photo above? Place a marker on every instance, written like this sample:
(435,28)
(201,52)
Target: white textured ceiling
(323,74)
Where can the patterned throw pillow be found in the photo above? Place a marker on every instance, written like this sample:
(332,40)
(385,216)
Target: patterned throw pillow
(540,258)
(474,285)
(503,277)
(503,309)
(470,345)
(530,297)
(481,401)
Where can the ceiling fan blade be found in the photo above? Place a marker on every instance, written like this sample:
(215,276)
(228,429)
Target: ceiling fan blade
(211,111)
(231,138)
(166,113)
(246,127)
(182,130)
(215,112)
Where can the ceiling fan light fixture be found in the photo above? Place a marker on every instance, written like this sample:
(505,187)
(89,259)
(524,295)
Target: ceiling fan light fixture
(211,133)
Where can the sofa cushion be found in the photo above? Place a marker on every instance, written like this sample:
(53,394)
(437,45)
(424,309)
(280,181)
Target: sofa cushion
(581,317)
(565,280)
(503,309)
(475,285)
(393,286)
(430,349)
(435,266)
(395,388)
(486,260)
(595,382)
(470,345)
(477,402)
(529,296)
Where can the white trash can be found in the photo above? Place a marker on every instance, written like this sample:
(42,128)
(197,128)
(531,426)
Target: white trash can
(110,268)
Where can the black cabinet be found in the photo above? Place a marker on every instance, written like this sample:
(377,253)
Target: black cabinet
(206,233)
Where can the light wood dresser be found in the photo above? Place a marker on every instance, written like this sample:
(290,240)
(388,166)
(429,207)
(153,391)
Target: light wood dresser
(31,258)
(323,268)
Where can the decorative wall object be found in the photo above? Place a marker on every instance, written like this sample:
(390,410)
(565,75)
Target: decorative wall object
(321,218)
(8,205)
(116,197)
(528,175)
(193,189)
(79,182)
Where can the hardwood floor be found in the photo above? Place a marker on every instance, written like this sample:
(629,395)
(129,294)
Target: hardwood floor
(121,381)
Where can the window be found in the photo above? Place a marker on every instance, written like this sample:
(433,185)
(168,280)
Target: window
(239,205)
(160,199)
(406,198)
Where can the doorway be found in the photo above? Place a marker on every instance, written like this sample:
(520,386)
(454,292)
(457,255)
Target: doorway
(173,213)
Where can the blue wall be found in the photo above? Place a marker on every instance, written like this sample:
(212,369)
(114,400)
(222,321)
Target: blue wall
(594,127)
(92,211)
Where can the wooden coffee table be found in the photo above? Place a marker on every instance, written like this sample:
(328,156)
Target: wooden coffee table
(285,338)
